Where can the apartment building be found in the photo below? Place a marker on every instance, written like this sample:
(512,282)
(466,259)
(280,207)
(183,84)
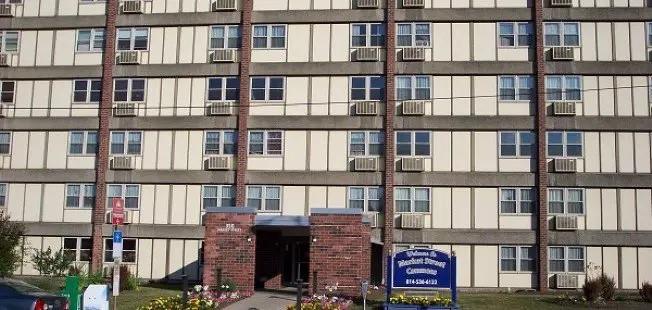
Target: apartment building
(516,133)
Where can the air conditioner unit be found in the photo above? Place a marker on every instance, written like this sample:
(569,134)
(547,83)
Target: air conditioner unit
(412,221)
(367,54)
(124,109)
(128,217)
(217,163)
(132,7)
(563,53)
(413,54)
(366,108)
(128,58)
(219,108)
(412,164)
(561,3)
(413,107)
(367,4)
(564,280)
(414,3)
(223,5)
(5,10)
(563,108)
(4,60)
(223,55)
(566,222)
(122,163)
(372,217)
(565,165)
(365,164)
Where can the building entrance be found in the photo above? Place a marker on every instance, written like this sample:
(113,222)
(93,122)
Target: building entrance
(282,257)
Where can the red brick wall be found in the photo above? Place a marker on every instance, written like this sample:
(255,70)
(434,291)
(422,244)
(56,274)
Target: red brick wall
(269,264)
(226,247)
(243,108)
(340,252)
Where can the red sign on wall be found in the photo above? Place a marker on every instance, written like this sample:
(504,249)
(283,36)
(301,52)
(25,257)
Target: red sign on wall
(118,212)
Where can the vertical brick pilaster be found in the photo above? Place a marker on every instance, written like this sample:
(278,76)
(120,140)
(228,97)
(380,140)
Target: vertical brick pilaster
(243,107)
(390,108)
(102,157)
(542,169)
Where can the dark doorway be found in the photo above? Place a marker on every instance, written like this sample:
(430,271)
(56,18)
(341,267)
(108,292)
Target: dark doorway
(282,257)
(296,259)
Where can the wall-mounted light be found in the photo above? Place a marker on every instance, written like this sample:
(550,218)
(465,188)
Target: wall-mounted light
(314,239)
(249,239)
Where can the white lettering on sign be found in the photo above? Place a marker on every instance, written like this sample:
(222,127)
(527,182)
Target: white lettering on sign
(229,228)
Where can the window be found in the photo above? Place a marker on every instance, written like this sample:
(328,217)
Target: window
(649,34)
(11,1)
(412,87)
(367,35)
(129,192)
(564,144)
(87,91)
(3,194)
(365,143)
(90,40)
(5,143)
(413,143)
(80,196)
(219,143)
(367,88)
(215,196)
(514,34)
(126,142)
(412,199)
(78,249)
(7,89)
(264,198)
(416,34)
(561,34)
(132,39)
(269,36)
(223,88)
(226,36)
(129,90)
(369,199)
(516,143)
(128,250)
(566,201)
(265,143)
(563,87)
(267,88)
(517,258)
(8,41)
(516,200)
(82,143)
(515,88)
(566,259)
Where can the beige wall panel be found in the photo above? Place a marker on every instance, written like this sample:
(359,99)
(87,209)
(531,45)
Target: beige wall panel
(200,44)
(484,41)
(147,196)
(44,46)
(150,149)
(620,3)
(441,157)
(461,207)
(644,209)
(461,94)
(486,208)
(161,204)
(190,258)
(605,47)
(264,5)
(77,216)
(189,6)
(317,197)
(41,99)
(87,59)
(441,3)
(461,45)
(180,161)
(53,202)
(485,151)
(156,45)
(153,97)
(92,9)
(297,95)
(482,3)
(339,97)
(638,48)
(514,164)
(319,95)
(626,152)
(645,268)
(178,206)
(164,158)
(340,42)
(594,256)
(23,97)
(624,96)
(193,204)
(19,144)
(485,269)
(159,249)
(593,209)
(512,3)
(610,262)
(345,4)
(295,150)
(56,150)
(47,7)
(642,152)
(36,151)
(198,87)
(175,259)
(627,204)
(168,87)
(15,201)
(337,154)
(336,197)
(145,258)
(294,198)
(318,147)
(590,96)
(442,37)
(463,253)
(321,49)
(64,47)
(636,3)
(267,108)
(461,146)
(609,209)
(443,91)
(589,49)
(640,96)
(298,50)
(441,207)
(265,163)
(608,151)
(621,41)
(158,6)
(268,55)
(628,261)
(80,162)
(27,45)
(517,222)
(195,150)
(592,151)
(33,195)
(525,280)
(300,4)
(30,243)
(186,39)
(606,86)
(513,54)
(484,92)
(460,4)
(172,6)
(60,102)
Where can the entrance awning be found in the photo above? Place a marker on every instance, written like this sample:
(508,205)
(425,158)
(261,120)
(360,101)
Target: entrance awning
(282,220)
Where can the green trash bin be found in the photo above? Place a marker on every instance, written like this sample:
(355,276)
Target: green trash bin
(71,291)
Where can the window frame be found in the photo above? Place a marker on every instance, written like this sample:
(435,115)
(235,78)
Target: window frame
(87,92)
(566,259)
(265,143)
(4,192)
(123,195)
(9,142)
(368,35)
(413,143)
(564,88)
(268,88)
(515,34)
(562,34)
(518,258)
(221,146)
(219,198)
(86,134)
(3,41)
(564,144)
(223,89)
(263,198)
(367,87)
(78,248)
(517,88)
(269,36)
(3,91)
(94,33)
(132,38)
(81,196)
(126,143)
(518,200)
(565,200)
(413,86)
(518,144)
(226,38)
(130,89)
(413,199)
(367,143)
(106,251)
(366,198)
(413,34)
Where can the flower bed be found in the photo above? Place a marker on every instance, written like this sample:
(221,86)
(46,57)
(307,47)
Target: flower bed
(323,303)
(199,298)
(405,302)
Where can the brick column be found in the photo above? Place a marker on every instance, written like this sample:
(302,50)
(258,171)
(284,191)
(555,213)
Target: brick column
(542,169)
(230,247)
(340,250)
(390,110)
(243,107)
(102,157)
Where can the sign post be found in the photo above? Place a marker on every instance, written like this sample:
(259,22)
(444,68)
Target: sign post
(117,218)
(364,288)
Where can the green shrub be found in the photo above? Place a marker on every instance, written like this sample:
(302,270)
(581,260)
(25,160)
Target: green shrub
(49,262)
(608,287)
(127,281)
(86,279)
(10,236)
(646,291)
(227,285)
(592,289)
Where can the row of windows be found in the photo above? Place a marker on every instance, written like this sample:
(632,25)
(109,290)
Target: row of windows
(361,143)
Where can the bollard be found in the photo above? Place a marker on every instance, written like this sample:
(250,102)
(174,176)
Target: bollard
(299,293)
(184,287)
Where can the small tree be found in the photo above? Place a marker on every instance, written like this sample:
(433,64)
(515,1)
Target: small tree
(50,262)
(10,236)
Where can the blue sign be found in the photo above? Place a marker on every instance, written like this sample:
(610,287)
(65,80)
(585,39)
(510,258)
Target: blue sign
(421,269)
(117,236)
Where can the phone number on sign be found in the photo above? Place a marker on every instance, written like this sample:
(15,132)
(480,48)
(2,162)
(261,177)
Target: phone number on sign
(421,281)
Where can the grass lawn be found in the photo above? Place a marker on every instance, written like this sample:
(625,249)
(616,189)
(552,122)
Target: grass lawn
(131,300)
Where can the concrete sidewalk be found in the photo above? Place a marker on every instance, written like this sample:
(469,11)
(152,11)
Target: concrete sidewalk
(264,301)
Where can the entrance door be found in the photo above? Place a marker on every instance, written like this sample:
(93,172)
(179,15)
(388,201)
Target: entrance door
(296,262)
